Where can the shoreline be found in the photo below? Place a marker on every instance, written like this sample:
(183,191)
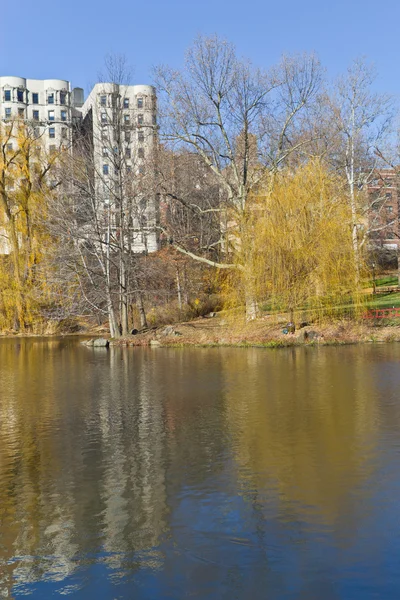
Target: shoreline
(261,333)
(216,332)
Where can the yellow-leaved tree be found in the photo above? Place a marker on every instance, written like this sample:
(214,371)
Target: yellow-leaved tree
(27,173)
(296,252)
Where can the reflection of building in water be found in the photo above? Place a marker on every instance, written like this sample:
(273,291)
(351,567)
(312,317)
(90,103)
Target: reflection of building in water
(81,468)
(133,483)
(306,432)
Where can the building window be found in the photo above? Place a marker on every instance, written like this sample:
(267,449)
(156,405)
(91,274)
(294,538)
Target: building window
(20,95)
(140,119)
(154,120)
(140,136)
(9,147)
(104,117)
(390,209)
(128,169)
(63,115)
(63,97)
(103,100)
(105,169)
(64,132)
(51,115)
(127,152)
(36,132)
(126,102)
(141,170)
(127,119)
(105,151)
(127,136)
(21,112)
(388,195)
(50,98)
(141,152)
(35,115)
(52,132)
(35,98)
(52,149)
(8,113)
(140,102)
(7,95)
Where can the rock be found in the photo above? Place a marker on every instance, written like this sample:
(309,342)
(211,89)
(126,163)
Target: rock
(101,343)
(168,330)
(309,335)
(155,344)
(87,342)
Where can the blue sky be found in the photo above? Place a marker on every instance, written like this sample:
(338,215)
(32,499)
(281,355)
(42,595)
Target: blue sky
(69,39)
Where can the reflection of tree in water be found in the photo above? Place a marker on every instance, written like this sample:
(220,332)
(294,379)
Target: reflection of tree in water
(304,424)
(120,456)
(82,454)
(194,414)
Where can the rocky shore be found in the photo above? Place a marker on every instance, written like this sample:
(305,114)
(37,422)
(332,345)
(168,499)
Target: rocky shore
(259,333)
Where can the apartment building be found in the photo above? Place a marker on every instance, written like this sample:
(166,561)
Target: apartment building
(119,124)
(49,104)
(120,121)
(384,213)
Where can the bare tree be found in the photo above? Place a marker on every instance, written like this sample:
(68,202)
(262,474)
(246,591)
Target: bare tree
(362,120)
(238,120)
(109,212)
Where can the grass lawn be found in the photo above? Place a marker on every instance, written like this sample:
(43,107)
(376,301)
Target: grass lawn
(386,280)
(384,301)
(390,300)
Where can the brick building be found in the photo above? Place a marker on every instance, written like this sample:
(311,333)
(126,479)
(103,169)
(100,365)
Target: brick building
(383,209)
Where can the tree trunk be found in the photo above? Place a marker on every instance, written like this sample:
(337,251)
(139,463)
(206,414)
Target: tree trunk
(142,312)
(123,299)
(252,309)
(114,329)
(179,289)
(398,263)
(19,320)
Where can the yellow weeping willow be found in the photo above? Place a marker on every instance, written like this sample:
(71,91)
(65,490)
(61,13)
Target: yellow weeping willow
(295,251)
(25,169)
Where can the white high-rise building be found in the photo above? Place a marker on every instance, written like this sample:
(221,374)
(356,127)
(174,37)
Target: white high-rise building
(121,123)
(114,119)
(49,104)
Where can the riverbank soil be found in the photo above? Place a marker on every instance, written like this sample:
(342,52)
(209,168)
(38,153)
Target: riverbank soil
(218,331)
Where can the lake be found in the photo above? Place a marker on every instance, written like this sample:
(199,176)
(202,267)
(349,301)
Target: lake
(222,473)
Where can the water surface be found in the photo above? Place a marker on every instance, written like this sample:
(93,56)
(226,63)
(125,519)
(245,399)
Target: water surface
(199,473)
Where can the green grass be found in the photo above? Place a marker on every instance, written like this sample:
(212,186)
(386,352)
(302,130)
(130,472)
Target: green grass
(384,301)
(387,280)
(371,301)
